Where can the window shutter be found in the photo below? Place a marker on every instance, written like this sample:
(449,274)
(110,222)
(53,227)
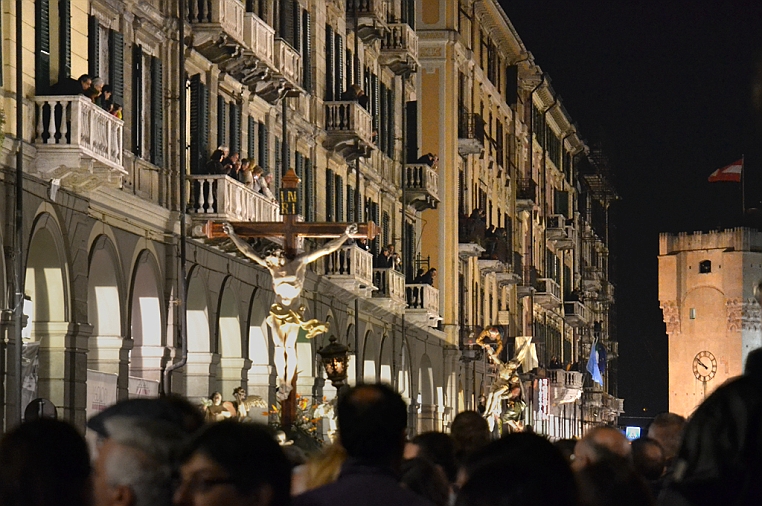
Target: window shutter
(157,121)
(278,164)
(306,51)
(309,184)
(93,45)
(263,153)
(375,104)
(330,202)
(222,120)
(297,22)
(350,203)
(251,128)
(42,47)
(339,198)
(411,131)
(391,122)
(116,66)
(329,63)
(64,27)
(137,100)
(199,125)
(338,69)
(287,21)
(383,120)
(299,169)
(235,129)
(385,228)
(348,70)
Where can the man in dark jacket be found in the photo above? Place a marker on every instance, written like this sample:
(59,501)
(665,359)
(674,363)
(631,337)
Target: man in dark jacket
(372,421)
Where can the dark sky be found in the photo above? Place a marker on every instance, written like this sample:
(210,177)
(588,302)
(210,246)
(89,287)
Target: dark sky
(666,86)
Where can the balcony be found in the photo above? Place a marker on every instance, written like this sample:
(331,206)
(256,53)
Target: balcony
(421,186)
(528,285)
(566,379)
(422,305)
(349,129)
(548,293)
(526,194)
(288,63)
(371,18)
(512,272)
(218,28)
(219,197)
(560,231)
(470,134)
(577,314)
(399,49)
(391,289)
(607,292)
(471,237)
(351,268)
(78,142)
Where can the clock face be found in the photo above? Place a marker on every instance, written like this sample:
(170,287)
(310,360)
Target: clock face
(704,366)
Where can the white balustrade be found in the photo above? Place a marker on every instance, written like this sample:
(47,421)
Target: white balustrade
(259,37)
(288,61)
(219,196)
(420,176)
(86,130)
(347,116)
(401,37)
(351,261)
(390,284)
(423,296)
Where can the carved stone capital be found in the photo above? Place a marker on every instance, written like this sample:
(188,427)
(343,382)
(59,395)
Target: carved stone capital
(743,315)
(671,316)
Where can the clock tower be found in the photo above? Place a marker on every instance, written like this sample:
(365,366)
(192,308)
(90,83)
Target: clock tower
(709,292)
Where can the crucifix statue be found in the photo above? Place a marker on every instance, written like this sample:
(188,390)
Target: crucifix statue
(288,268)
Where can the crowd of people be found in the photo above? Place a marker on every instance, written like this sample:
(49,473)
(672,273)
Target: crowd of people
(158,452)
(93,88)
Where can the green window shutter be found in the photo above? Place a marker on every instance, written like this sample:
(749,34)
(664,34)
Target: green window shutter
(338,66)
(116,65)
(297,23)
(93,45)
(287,21)
(235,129)
(157,112)
(381,137)
(329,96)
(350,203)
(561,203)
(199,125)
(222,122)
(137,100)
(375,103)
(309,187)
(299,169)
(306,51)
(42,47)
(251,128)
(330,201)
(385,228)
(391,122)
(339,198)
(263,153)
(64,28)
(278,164)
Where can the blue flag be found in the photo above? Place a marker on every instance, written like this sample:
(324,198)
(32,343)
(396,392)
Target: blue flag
(592,364)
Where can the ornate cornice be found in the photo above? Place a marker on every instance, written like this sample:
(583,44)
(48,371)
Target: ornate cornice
(671,316)
(743,315)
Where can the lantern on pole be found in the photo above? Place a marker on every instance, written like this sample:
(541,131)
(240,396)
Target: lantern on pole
(334,357)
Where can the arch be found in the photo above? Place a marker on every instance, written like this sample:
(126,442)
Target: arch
(348,338)
(259,337)
(426,381)
(404,386)
(229,322)
(369,360)
(46,280)
(197,312)
(385,372)
(146,318)
(104,289)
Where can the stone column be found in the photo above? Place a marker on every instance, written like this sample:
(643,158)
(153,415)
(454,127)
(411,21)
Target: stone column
(146,362)
(198,371)
(429,418)
(233,374)
(111,354)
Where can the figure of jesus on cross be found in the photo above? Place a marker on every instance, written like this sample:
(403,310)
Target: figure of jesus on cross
(287,315)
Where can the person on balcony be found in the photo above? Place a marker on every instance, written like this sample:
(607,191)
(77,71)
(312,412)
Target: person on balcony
(265,183)
(69,86)
(245,175)
(429,159)
(356,94)
(429,277)
(256,182)
(214,165)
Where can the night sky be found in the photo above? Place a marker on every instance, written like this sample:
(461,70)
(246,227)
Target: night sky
(666,87)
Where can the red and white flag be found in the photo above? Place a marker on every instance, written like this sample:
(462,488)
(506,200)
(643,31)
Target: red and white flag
(730,172)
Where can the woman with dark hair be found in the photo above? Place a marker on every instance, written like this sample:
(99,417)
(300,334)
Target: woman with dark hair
(234,464)
(44,462)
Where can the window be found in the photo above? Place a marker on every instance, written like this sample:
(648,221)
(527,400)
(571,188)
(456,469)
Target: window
(199,125)
(310,190)
(705,267)
(692,313)
(147,107)
(330,200)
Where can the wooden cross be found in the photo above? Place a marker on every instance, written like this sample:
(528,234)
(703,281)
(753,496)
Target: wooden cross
(290,230)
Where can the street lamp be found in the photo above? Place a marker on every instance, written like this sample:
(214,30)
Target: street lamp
(334,358)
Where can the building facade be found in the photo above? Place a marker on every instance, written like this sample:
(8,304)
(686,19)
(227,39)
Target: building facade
(709,287)
(101,243)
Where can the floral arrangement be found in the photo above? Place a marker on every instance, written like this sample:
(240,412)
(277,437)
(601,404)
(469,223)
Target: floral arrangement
(308,415)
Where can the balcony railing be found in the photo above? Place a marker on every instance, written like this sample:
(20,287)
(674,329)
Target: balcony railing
(526,194)
(288,62)
(371,18)
(220,197)
(421,186)
(577,314)
(390,284)
(423,299)
(399,49)
(212,18)
(351,267)
(260,38)
(555,226)
(566,379)
(349,129)
(470,134)
(548,293)
(72,135)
